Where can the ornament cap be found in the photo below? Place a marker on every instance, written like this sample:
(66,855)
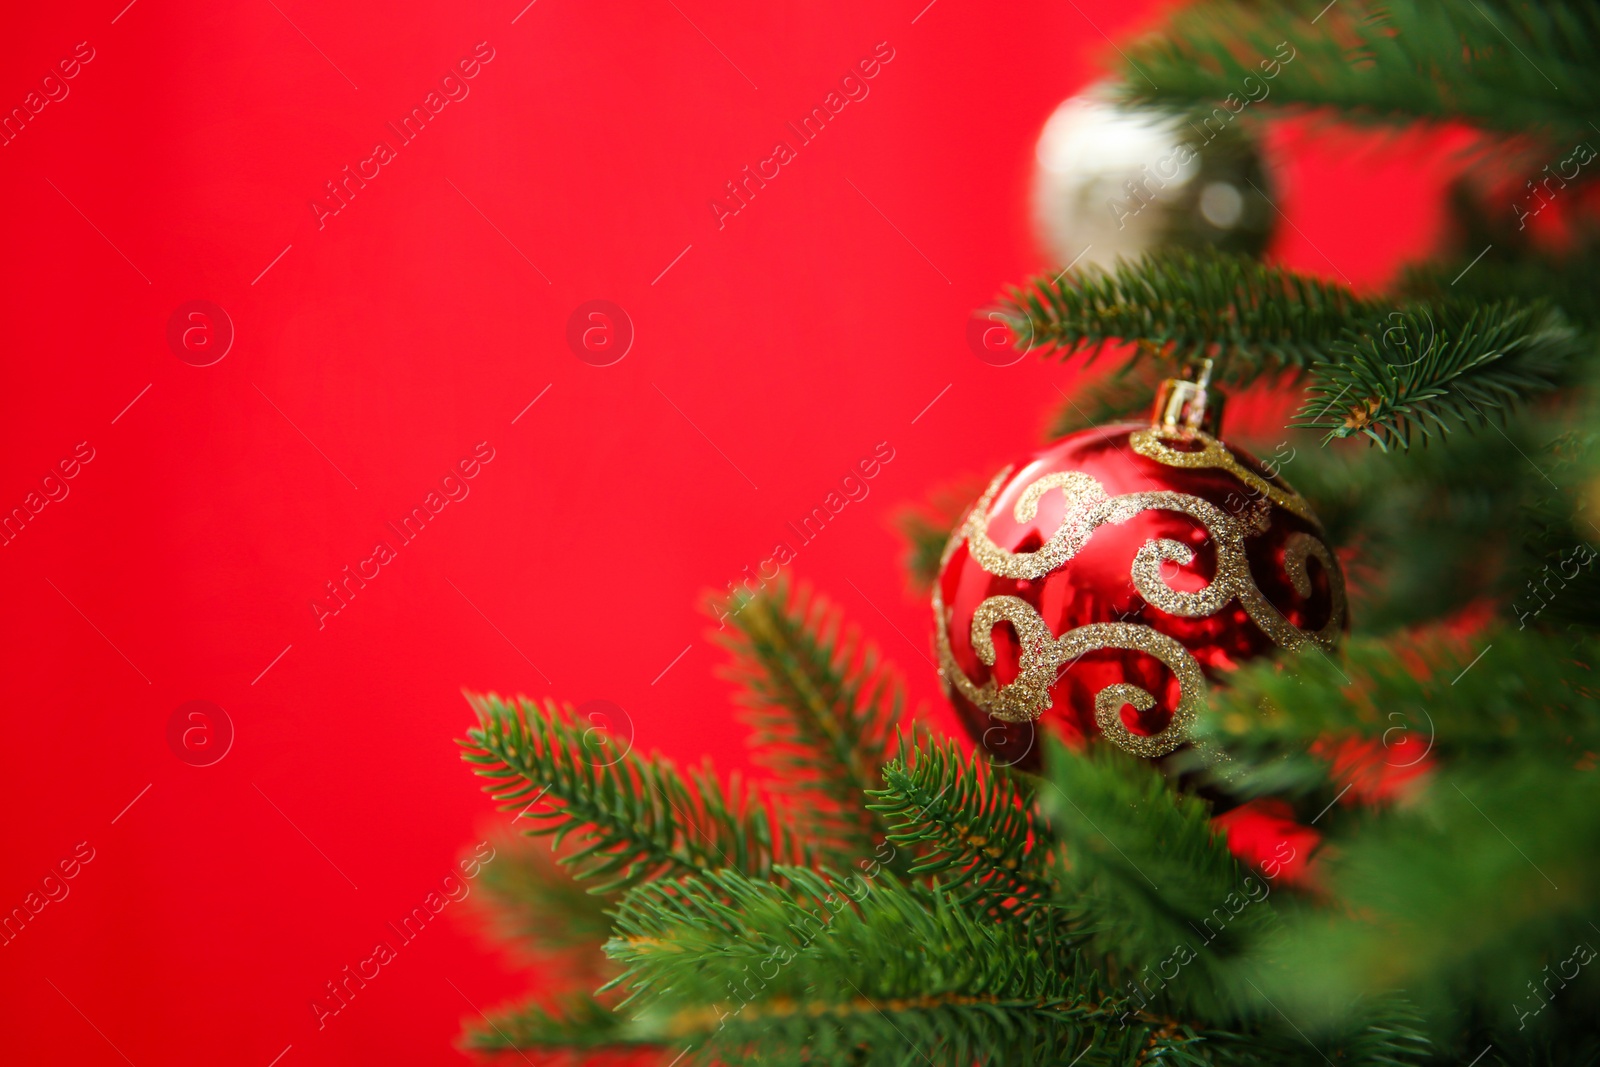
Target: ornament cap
(1190,402)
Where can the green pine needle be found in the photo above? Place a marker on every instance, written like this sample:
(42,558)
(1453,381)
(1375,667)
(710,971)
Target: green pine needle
(1560,585)
(926,528)
(968,824)
(823,706)
(1501,268)
(577,1022)
(1159,888)
(1462,897)
(635,818)
(533,903)
(1177,305)
(1431,372)
(1381,1031)
(1500,64)
(866,972)
(1403,695)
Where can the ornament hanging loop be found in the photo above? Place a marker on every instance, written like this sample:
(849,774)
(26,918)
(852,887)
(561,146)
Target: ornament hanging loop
(1189,403)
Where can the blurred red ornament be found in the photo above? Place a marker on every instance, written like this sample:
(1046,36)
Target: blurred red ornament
(1379,770)
(1105,578)
(1262,833)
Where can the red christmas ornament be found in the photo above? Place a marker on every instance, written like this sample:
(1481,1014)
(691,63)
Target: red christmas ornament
(1262,833)
(1104,579)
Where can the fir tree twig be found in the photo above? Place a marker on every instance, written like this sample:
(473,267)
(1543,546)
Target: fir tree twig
(1159,888)
(926,528)
(877,972)
(970,826)
(1497,63)
(1527,691)
(823,706)
(637,818)
(1177,305)
(1466,897)
(577,1023)
(1430,372)
(532,902)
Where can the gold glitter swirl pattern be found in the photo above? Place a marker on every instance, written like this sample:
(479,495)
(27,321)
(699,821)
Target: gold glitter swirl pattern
(1083,493)
(1108,711)
(1296,549)
(1108,702)
(1258,516)
(1043,655)
(1232,570)
(959,534)
(1028,695)
(1152,444)
(1079,488)
(1088,508)
(954,678)
(1151,583)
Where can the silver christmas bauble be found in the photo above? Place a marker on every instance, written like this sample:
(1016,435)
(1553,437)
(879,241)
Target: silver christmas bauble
(1112,181)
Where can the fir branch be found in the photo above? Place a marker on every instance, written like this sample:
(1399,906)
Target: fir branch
(1424,538)
(927,527)
(1500,64)
(1462,897)
(1146,872)
(1431,372)
(971,826)
(1521,273)
(1383,1031)
(636,818)
(531,902)
(865,972)
(1460,701)
(1562,535)
(1178,305)
(1386,1030)
(950,1030)
(925,538)
(822,704)
(1496,257)
(576,1024)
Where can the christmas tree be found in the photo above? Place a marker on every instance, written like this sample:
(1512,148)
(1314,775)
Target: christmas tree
(1383,852)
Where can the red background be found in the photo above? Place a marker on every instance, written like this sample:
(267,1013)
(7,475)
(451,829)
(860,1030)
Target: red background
(813,326)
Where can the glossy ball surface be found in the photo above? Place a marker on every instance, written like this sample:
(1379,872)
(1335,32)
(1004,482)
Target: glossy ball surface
(1112,181)
(1094,588)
